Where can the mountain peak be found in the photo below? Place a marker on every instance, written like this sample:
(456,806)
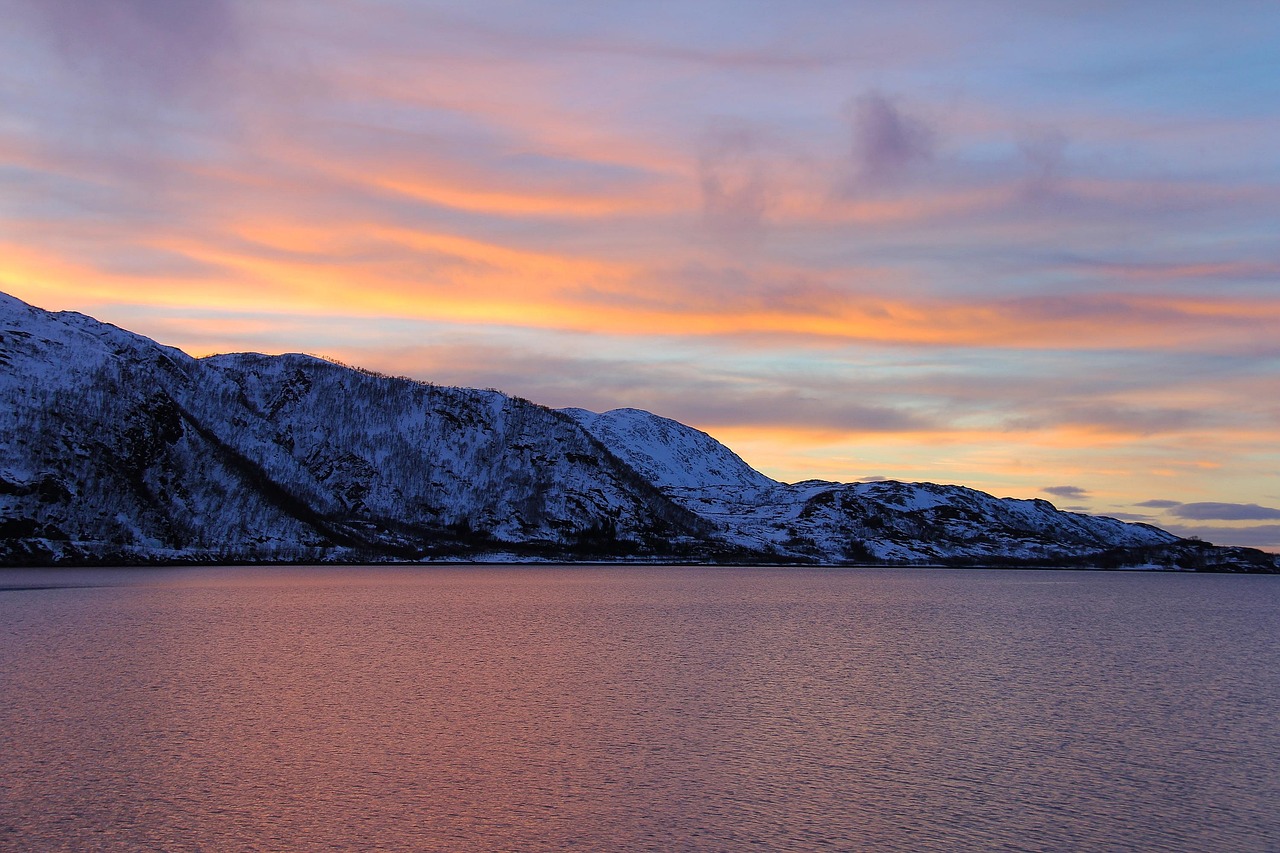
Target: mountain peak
(670,454)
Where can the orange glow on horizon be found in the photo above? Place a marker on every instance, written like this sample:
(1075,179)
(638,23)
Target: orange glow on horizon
(483,282)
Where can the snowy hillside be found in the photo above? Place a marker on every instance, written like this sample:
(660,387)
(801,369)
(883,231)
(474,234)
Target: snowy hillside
(668,453)
(878,522)
(915,522)
(118,449)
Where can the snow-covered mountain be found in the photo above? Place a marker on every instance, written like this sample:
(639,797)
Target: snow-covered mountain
(115,448)
(878,521)
(672,456)
(118,448)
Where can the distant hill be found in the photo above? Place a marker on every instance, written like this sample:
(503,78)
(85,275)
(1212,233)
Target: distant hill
(116,449)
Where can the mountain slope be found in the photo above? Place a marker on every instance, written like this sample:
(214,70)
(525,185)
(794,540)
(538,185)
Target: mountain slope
(833,522)
(124,449)
(118,449)
(668,453)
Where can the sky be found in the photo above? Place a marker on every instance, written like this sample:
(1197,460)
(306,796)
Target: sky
(1027,246)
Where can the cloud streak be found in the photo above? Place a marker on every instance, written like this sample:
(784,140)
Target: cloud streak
(1074,492)
(1264,536)
(1217,511)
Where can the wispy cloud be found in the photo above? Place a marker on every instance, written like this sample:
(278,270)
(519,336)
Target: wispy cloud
(1264,536)
(1044,155)
(1075,492)
(161,48)
(887,142)
(1212,510)
(1132,516)
(734,180)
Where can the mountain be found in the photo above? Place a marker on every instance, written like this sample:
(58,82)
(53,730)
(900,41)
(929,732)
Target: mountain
(123,449)
(118,449)
(672,456)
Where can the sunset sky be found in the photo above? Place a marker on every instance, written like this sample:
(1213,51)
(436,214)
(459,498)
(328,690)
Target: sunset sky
(1031,247)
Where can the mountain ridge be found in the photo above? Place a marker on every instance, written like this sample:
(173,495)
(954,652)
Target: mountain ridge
(123,450)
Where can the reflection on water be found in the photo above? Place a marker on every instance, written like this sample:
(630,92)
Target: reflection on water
(637,709)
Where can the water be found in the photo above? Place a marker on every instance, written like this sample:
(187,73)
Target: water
(637,709)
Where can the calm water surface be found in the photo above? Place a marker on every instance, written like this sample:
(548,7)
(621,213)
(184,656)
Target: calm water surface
(637,709)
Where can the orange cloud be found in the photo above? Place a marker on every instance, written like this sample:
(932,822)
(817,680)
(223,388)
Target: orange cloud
(273,264)
(516,204)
